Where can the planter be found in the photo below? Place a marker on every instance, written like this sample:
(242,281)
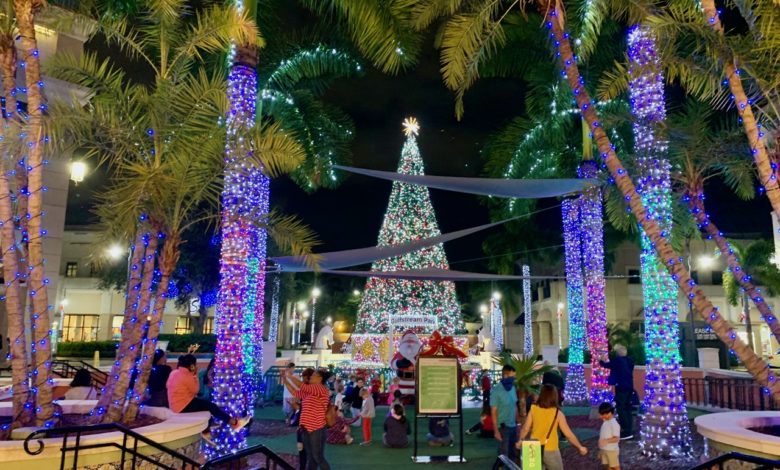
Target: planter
(733,432)
(178,431)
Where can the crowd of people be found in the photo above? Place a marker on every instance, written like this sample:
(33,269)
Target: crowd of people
(310,397)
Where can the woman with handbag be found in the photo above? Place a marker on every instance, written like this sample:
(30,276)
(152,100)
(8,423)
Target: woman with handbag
(543,423)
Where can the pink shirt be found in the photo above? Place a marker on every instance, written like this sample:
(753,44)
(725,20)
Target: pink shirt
(182,387)
(391,393)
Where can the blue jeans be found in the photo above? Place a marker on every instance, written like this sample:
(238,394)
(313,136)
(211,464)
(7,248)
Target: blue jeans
(314,445)
(508,441)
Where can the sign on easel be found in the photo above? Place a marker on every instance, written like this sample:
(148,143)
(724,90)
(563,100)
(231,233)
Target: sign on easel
(438,396)
(438,387)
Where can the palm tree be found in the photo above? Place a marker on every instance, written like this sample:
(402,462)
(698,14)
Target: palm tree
(528,376)
(165,144)
(474,34)
(40,346)
(12,266)
(701,156)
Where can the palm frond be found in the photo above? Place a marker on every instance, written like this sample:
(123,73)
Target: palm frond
(469,39)
(294,236)
(379,30)
(425,12)
(276,151)
(313,68)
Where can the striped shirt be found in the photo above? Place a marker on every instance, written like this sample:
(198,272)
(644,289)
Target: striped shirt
(314,403)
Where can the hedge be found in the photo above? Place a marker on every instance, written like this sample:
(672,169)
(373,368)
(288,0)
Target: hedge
(180,343)
(86,348)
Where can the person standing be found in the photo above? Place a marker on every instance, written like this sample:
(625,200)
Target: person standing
(553,377)
(609,437)
(314,397)
(621,376)
(504,412)
(287,397)
(355,399)
(367,413)
(543,423)
(486,384)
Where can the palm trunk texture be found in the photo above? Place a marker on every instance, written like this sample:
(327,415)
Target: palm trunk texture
(12,269)
(113,399)
(41,334)
(696,205)
(555,21)
(766,175)
(168,260)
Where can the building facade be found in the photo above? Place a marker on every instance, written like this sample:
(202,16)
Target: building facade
(624,304)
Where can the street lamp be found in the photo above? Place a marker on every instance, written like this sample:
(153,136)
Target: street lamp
(115,252)
(706,261)
(78,170)
(496,295)
(560,333)
(329,320)
(315,293)
(356,292)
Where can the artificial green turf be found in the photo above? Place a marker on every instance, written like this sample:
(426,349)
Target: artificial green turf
(480,453)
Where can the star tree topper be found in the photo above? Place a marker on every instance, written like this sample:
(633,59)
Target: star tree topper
(411,126)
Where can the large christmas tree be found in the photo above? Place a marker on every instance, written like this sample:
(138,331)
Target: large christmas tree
(409,217)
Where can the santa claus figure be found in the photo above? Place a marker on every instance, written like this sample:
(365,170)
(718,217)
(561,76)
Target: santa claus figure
(404,359)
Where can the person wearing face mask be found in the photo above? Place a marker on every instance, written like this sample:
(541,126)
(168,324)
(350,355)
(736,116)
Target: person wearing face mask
(504,412)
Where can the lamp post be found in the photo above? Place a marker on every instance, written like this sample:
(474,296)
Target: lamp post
(78,170)
(560,334)
(301,306)
(315,293)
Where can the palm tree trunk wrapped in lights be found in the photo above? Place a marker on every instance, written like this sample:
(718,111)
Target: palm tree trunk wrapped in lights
(555,23)
(575,392)
(592,233)
(528,328)
(40,346)
(664,425)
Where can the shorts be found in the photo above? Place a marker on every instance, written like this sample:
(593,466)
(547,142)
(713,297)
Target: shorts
(610,458)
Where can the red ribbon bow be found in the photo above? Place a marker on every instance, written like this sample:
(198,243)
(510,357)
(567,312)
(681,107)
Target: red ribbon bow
(439,345)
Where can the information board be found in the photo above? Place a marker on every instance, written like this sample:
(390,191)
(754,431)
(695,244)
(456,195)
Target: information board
(438,387)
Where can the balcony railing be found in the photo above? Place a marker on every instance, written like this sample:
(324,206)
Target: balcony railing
(728,393)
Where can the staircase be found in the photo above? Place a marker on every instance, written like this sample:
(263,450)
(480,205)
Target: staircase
(131,457)
(68,369)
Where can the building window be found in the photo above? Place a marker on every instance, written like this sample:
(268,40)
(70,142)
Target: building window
(534,292)
(71,269)
(183,326)
(634,276)
(208,326)
(695,276)
(80,327)
(116,327)
(717,278)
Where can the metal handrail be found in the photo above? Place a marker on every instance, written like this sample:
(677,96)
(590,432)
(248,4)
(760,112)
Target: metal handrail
(98,376)
(131,449)
(123,446)
(270,455)
(766,464)
(506,462)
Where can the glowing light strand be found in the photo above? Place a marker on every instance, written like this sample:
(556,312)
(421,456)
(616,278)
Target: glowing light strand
(592,233)
(273,326)
(664,427)
(409,216)
(497,322)
(576,391)
(528,329)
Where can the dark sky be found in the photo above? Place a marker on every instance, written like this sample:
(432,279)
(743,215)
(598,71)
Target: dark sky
(350,216)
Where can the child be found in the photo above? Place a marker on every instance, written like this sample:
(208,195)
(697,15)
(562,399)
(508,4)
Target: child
(339,399)
(397,429)
(367,413)
(391,391)
(339,432)
(439,432)
(609,437)
(485,424)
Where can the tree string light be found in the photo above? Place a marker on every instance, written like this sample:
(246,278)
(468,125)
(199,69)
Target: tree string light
(409,216)
(576,391)
(528,328)
(592,233)
(664,424)
(497,320)
(273,325)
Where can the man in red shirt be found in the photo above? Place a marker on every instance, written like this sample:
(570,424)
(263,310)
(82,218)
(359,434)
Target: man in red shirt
(314,397)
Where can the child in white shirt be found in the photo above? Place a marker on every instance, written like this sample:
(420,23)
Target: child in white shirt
(609,437)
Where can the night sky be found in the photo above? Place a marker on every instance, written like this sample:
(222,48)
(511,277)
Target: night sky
(350,216)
